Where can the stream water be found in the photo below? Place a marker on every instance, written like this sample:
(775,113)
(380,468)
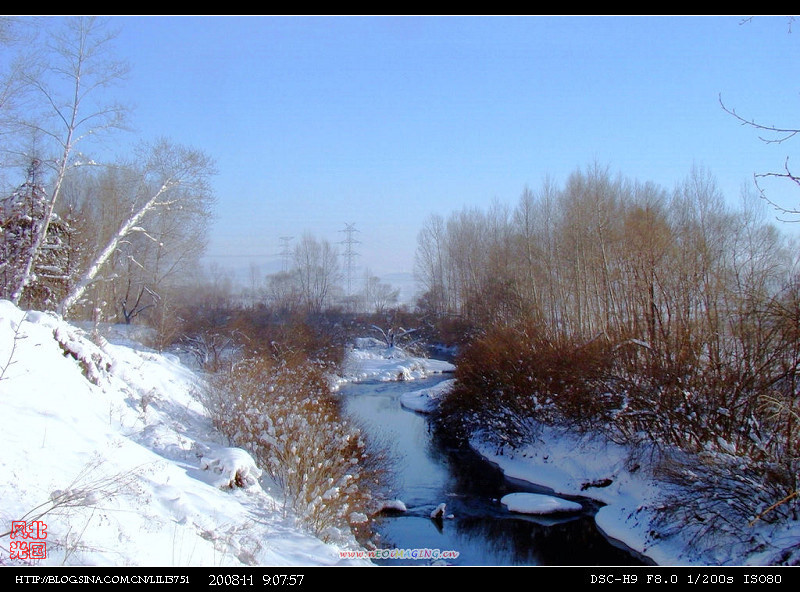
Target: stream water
(429,472)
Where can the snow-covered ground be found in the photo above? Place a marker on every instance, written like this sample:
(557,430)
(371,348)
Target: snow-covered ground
(371,359)
(574,465)
(106,450)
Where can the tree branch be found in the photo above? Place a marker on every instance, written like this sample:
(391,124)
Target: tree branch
(785,133)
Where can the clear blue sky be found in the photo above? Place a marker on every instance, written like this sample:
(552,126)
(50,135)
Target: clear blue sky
(316,122)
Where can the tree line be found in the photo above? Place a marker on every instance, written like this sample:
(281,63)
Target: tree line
(607,256)
(667,320)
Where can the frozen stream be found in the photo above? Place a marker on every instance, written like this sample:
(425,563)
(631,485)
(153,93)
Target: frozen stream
(429,473)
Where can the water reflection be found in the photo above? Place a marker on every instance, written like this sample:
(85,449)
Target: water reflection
(430,472)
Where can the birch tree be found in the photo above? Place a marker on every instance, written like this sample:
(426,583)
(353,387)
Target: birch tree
(10,74)
(172,180)
(21,216)
(68,85)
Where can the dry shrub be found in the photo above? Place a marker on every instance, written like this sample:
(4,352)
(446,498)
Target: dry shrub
(285,415)
(716,497)
(513,374)
(290,336)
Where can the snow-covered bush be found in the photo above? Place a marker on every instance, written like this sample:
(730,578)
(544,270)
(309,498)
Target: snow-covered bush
(94,363)
(720,498)
(233,467)
(285,415)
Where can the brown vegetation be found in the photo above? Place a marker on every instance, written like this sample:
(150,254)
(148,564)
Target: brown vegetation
(285,415)
(662,321)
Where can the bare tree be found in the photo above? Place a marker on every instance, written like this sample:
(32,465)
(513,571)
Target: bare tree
(431,266)
(172,181)
(256,288)
(771,134)
(74,71)
(377,295)
(10,76)
(317,271)
(282,291)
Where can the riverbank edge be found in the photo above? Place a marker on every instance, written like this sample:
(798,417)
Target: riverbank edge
(375,363)
(568,465)
(590,466)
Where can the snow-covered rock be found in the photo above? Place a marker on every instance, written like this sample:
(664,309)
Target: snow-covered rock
(438,511)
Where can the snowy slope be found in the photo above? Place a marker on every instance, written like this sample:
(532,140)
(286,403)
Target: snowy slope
(109,448)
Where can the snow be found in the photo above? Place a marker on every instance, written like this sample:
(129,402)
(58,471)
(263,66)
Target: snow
(107,443)
(583,465)
(425,400)
(109,447)
(394,506)
(370,359)
(569,464)
(438,511)
(232,467)
(536,503)
(580,466)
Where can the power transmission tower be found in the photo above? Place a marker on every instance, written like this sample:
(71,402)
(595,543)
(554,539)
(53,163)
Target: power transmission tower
(286,252)
(349,254)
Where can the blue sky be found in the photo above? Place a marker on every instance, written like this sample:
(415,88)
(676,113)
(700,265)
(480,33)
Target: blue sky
(317,122)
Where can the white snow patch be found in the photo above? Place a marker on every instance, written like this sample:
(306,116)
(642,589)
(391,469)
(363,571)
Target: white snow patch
(232,467)
(369,360)
(535,503)
(394,505)
(426,400)
(439,511)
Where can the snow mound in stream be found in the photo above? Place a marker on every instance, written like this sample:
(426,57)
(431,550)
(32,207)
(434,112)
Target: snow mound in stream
(426,400)
(536,503)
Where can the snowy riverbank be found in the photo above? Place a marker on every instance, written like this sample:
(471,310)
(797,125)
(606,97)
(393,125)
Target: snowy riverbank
(108,448)
(581,465)
(574,465)
(370,359)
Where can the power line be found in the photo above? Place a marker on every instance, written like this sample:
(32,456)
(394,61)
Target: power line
(349,254)
(285,252)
